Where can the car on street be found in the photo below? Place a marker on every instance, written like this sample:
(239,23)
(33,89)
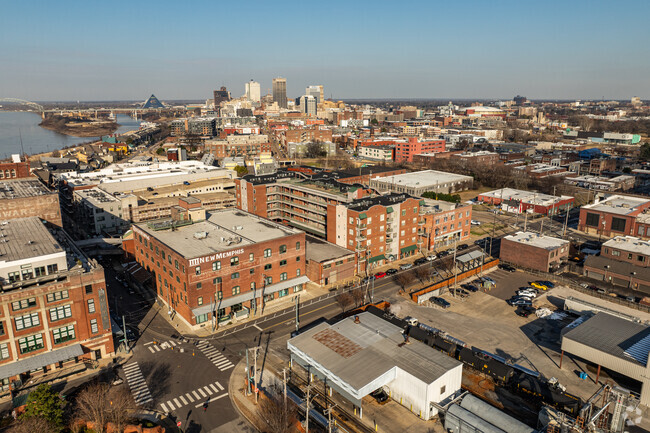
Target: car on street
(443,253)
(440,301)
(470,287)
(462,247)
(507,267)
(380,274)
(391,271)
(366,280)
(536,285)
(406,266)
(420,261)
(476,223)
(431,258)
(380,396)
(524,311)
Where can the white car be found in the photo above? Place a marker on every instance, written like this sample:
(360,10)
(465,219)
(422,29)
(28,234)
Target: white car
(526,293)
(431,258)
(476,223)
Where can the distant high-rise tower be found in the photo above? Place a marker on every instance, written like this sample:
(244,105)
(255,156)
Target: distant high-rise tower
(308,105)
(252,91)
(316,92)
(280,92)
(220,96)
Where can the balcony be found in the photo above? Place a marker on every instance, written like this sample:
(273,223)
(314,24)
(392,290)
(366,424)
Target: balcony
(389,229)
(361,237)
(360,248)
(422,212)
(362,227)
(421,222)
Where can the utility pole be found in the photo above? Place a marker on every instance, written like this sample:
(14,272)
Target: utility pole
(328,412)
(307,409)
(248,375)
(566,221)
(257,393)
(297,298)
(126,340)
(284,382)
(455,267)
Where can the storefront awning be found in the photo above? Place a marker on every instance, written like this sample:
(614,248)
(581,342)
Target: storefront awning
(408,249)
(376,258)
(40,361)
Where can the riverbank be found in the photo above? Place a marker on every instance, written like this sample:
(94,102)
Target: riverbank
(79,127)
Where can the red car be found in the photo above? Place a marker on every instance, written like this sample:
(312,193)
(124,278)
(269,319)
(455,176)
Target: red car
(380,275)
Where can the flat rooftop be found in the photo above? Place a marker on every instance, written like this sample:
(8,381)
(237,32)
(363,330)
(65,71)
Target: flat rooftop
(629,243)
(359,353)
(222,230)
(96,196)
(530,197)
(618,204)
(537,240)
(24,238)
(320,250)
(22,188)
(422,179)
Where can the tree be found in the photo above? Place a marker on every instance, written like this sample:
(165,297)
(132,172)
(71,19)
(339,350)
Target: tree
(315,149)
(344,300)
(644,154)
(31,425)
(404,279)
(358,295)
(122,406)
(423,273)
(160,151)
(241,170)
(56,154)
(100,404)
(374,122)
(276,411)
(44,403)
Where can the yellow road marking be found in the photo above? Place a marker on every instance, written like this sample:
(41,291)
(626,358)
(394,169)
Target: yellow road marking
(302,315)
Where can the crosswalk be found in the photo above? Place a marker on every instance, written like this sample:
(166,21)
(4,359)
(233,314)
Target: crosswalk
(215,356)
(158,346)
(207,393)
(137,384)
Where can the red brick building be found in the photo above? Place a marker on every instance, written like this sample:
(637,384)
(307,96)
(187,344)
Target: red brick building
(21,198)
(225,265)
(534,251)
(248,146)
(444,223)
(616,215)
(404,151)
(329,264)
(46,305)
(303,135)
(14,170)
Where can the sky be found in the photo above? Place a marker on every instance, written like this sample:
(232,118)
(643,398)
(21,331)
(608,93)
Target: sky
(126,50)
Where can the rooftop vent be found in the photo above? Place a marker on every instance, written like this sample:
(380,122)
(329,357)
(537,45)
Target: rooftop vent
(200,235)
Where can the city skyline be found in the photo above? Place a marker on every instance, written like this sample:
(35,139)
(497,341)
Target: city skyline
(122,51)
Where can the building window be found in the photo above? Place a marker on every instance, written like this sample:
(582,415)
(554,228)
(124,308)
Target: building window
(2,328)
(27,321)
(31,343)
(91,305)
(64,334)
(443,388)
(39,272)
(253,285)
(235,290)
(616,253)
(23,303)
(234,261)
(640,258)
(216,265)
(201,318)
(94,328)
(268,280)
(592,219)
(89,289)
(234,275)
(199,300)
(283,249)
(268,266)
(298,272)
(13,276)
(283,263)
(618,224)
(297,246)
(60,312)
(197,270)
(4,351)
(283,276)
(267,253)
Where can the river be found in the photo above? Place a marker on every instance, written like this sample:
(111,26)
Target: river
(35,139)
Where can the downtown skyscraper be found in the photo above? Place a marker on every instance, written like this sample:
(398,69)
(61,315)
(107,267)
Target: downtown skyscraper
(280,92)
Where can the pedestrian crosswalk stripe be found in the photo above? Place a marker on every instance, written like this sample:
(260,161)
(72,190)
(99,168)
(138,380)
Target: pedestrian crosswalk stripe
(220,386)
(164,408)
(196,395)
(189,397)
(207,390)
(177,402)
(202,393)
(216,357)
(214,388)
(137,384)
(183,400)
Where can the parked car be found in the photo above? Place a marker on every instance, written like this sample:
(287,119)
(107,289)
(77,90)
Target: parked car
(543,284)
(462,292)
(548,284)
(462,247)
(380,395)
(630,298)
(406,266)
(443,253)
(520,302)
(476,223)
(380,274)
(524,311)
(420,261)
(526,293)
(440,301)
(470,287)
(536,285)
(391,271)
(431,258)
(489,279)
(507,267)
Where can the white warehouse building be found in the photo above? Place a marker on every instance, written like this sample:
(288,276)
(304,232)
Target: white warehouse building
(363,353)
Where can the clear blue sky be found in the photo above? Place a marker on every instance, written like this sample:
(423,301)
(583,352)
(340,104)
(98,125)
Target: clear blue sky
(114,50)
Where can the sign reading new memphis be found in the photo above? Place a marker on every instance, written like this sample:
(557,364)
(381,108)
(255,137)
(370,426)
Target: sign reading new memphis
(213,257)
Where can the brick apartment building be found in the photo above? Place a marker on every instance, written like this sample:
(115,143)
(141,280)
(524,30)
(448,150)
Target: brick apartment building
(404,151)
(623,261)
(53,303)
(534,251)
(616,215)
(445,223)
(248,146)
(224,265)
(16,169)
(300,135)
(21,198)
(481,157)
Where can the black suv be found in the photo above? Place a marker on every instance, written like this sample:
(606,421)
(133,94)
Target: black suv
(507,267)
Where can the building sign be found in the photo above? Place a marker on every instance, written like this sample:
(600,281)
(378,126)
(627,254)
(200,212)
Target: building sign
(213,257)
(103,308)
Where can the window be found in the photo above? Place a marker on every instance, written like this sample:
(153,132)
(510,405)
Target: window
(216,265)
(251,257)
(283,249)
(60,312)
(616,253)
(201,318)
(23,303)
(4,351)
(197,270)
(199,286)
(234,261)
(52,269)
(283,263)
(235,290)
(268,280)
(27,321)
(199,300)
(176,264)
(253,285)
(39,272)
(592,219)
(89,289)
(297,272)
(2,328)
(91,305)
(403,212)
(163,254)
(268,266)
(297,245)
(283,276)
(61,335)
(640,258)
(618,224)
(93,326)
(443,388)
(234,275)
(31,343)
(267,253)
(629,256)
(14,276)
(27,274)
(298,259)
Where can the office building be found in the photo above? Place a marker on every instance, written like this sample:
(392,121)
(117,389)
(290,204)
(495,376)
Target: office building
(308,105)
(219,267)
(418,182)
(249,146)
(623,261)
(616,215)
(377,153)
(280,92)
(21,198)
(405,150)
(203,126)
(221,95)
(316,92)
(252,89)
(445,224)
(519,201)
(534,251)
(53,301)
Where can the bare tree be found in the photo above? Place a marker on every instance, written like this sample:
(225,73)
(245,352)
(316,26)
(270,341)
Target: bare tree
(404,279)
(423,273)
(344,300)
(92,404)
(31,425)
(358,295)
(122,406)
(279,414)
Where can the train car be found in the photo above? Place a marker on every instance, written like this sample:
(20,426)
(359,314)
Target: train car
(419,334)
(445,346)
(376,311)
(537,389)
(485,363)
